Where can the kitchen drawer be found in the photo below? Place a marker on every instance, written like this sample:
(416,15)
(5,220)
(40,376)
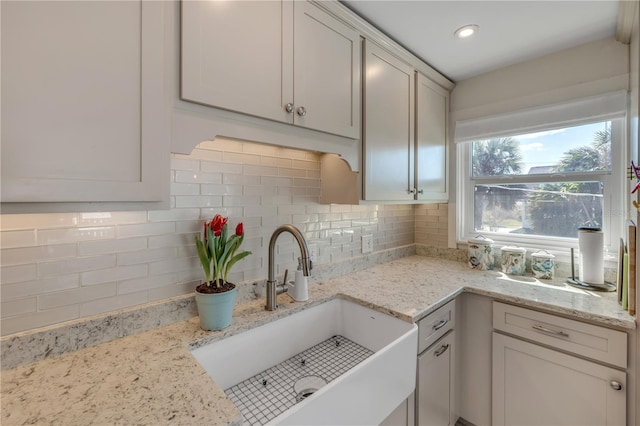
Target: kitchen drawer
(435,325)
(587,340)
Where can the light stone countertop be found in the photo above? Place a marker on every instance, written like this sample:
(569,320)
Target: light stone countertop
(151,378)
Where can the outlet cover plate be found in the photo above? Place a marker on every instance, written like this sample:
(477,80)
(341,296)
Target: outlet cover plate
(367,244)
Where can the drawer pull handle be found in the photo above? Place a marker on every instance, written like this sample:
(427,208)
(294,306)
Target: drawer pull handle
(548,330)
(616,385)
(442,349)
(440,324)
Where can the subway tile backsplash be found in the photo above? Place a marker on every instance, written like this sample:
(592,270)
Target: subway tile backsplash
(66,266)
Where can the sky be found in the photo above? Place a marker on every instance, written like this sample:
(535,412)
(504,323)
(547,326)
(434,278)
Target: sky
(546,148)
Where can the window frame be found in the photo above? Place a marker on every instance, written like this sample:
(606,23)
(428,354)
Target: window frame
(614,197)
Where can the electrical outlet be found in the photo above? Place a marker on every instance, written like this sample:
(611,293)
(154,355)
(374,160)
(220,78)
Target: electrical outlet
(367,243)
(313,252)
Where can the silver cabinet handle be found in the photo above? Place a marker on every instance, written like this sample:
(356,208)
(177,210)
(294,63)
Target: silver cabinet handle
(549,331)
(442,349)
(616,385)
(440,324)
(289,107)
(302,111)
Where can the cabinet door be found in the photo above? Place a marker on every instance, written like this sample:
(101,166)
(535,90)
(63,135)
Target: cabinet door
(431,140)
(435,383)
(236,55)
(83,102)
(327,61)
(399,416)
(388,126)
(533,385)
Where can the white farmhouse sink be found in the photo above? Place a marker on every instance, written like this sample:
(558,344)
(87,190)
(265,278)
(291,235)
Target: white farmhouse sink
(365,395)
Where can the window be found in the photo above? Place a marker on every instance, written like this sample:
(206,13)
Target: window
(534,189)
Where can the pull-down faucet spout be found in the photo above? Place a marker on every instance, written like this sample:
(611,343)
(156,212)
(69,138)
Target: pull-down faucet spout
(272,285)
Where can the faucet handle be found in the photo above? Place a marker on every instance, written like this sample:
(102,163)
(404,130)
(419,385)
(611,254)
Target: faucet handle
(286,273)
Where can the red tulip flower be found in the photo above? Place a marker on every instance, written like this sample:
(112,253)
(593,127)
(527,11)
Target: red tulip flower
(217,223)
(218,250)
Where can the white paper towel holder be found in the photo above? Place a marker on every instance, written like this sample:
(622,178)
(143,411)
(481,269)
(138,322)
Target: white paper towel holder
(572,280)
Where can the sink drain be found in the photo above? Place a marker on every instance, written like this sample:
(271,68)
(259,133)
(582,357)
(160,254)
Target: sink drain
(307,386)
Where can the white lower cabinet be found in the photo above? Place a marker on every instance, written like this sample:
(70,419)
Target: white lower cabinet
(403,415)
(537,385)
(434,395)
(434,402)
(533,385)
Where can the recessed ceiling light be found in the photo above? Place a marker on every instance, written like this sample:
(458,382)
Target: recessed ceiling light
(466,31)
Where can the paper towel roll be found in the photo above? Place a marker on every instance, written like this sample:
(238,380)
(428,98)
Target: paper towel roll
(591,252)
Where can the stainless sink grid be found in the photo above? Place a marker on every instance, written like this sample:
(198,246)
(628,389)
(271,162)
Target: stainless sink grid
(263,397)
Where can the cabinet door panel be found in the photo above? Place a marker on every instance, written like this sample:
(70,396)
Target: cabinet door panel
(388,135)
(233,56)
(431,140)
(327,72)
(80,119)
(435,373)
(533,385)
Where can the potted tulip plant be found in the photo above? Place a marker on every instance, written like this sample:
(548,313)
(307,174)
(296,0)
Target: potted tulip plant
(218,252)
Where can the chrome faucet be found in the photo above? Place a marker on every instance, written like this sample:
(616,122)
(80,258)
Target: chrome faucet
(273,288)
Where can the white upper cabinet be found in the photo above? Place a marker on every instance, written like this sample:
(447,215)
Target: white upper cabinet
(281,60)
(432,109)
(403,161)
(83,102)
(233,56)
(388,136)
(327,68)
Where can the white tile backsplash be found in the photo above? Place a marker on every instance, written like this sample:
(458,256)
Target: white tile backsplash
(10,239)
(18,256)
(17,273)
(76,296)
(110,218)
(115,274)
(431,225)
(24,289)
(51,220)
(31,320)
(80,264)
(66,235)
(87,248)
(17,307)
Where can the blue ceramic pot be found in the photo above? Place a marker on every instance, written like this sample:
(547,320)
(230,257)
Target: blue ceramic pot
(216,310)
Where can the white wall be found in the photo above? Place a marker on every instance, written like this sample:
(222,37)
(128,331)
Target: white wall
(65,266)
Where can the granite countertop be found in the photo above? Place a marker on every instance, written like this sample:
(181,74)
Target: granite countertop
(152,378)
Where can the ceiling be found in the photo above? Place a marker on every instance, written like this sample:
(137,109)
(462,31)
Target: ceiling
(511,31)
